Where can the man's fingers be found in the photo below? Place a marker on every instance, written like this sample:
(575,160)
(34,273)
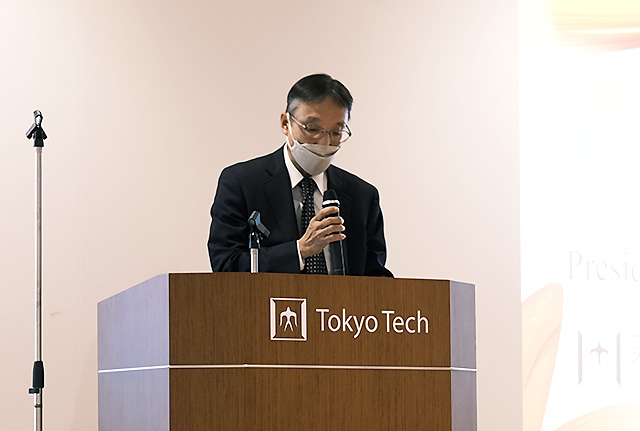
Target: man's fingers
(330,221)
(326,212)
(331,229)
(325,227)
(335,237)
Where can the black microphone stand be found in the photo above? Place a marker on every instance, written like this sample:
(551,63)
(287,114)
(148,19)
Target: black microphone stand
(37,133)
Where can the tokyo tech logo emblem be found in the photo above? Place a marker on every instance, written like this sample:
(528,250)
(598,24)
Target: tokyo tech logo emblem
(288,319)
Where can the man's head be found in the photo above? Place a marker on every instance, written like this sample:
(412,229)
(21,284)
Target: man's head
(318,109)
(315,122)
(316,88)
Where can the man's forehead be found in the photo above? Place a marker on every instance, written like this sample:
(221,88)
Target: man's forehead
(326,110)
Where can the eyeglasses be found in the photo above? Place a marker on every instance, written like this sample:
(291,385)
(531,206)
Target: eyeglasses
(318,132)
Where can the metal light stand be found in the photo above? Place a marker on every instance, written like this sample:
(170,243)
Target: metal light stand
(258,232)
(37,133)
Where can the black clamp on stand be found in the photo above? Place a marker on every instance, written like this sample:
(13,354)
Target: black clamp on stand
(36,132)
(258,233)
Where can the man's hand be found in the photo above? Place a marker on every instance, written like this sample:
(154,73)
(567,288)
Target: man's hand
(323,229)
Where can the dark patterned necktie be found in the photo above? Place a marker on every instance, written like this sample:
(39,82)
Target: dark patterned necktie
(313,264)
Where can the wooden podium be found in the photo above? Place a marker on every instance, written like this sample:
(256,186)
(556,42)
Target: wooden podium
(281,352)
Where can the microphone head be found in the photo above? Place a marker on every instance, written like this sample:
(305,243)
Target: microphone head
(38,117)
(330,199)
(255,222)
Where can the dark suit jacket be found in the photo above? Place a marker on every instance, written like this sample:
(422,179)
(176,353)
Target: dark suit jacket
(263,184)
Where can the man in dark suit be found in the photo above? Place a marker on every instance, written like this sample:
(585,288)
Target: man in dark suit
(286,187)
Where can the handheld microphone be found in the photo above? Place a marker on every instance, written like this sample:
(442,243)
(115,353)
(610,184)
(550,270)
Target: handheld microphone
(330,199)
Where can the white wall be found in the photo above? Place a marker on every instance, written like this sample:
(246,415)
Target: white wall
(145,102)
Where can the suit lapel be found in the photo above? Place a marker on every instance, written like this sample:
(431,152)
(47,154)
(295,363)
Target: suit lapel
(277,187)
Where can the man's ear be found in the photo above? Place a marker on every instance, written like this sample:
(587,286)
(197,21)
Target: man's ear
(284,124)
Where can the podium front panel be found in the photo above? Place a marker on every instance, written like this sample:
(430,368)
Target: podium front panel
(289,352)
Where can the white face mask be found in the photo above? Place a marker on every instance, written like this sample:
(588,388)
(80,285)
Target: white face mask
(312,158)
